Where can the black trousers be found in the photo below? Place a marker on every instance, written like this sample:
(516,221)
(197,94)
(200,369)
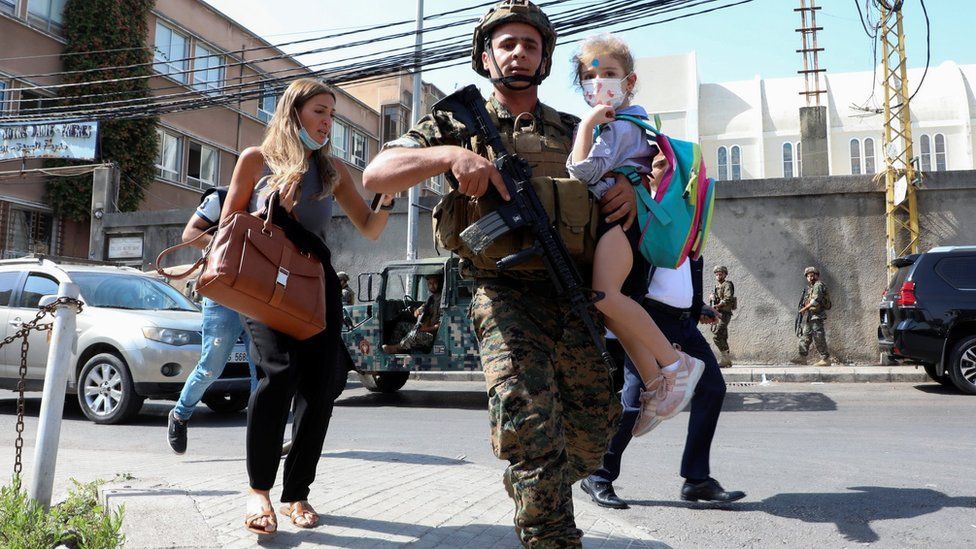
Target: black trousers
(706,405)
(310,372)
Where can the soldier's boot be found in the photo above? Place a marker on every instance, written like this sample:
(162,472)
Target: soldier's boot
(825,361)
(725,359)
(799,359)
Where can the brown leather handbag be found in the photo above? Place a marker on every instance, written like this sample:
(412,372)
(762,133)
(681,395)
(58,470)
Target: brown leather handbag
(251,267)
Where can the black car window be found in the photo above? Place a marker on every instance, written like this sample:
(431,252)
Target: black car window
(7,282)
(37,286)
(896,281)
(958,272)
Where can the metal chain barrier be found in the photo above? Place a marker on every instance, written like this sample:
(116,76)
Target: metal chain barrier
(22,333)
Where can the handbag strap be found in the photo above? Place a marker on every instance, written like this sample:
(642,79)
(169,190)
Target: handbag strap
(195,266)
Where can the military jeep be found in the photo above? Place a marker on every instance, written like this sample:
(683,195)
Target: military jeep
(385,313)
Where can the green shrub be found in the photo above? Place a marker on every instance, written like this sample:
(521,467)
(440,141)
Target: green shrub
(79,521)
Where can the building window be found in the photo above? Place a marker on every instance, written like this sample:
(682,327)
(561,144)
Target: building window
(208,74)
(940,153)
(787,160)
(338,140)
(3,98)
(169,156)
(799,159)
(29,103)
(855,157)
(46,14)
(171,53)
(735,163)
(8,6)
(723,163)
(201,166)
(359,149)
(869,166)
(267,103)
(394,122)
(925,152)
(28,232)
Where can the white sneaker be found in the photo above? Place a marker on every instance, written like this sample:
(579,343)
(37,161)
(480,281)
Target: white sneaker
(679,386)
(647,418)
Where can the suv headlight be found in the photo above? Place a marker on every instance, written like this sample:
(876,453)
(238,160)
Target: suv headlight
(170,336)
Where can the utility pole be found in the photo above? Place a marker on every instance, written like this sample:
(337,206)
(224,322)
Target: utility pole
(813,116)
(901,211)
(413,195)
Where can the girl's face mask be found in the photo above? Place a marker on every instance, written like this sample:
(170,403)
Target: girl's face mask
(604,91)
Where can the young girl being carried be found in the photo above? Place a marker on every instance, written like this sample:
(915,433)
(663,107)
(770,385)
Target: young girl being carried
(604,69)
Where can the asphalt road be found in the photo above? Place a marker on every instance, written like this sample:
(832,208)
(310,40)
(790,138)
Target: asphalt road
(825,465)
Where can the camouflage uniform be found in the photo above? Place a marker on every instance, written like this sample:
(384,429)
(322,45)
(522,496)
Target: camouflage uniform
(348,296)
(551,406)
(416,340)
(813,330)
(721,301)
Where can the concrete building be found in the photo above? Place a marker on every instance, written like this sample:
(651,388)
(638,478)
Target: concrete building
(197,149)
(750,129)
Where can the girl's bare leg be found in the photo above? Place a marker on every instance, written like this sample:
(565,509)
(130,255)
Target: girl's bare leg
(639,335)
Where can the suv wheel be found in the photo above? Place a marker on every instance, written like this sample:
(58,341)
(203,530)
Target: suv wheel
(384,382)
(943,379)
(105,390)
(227,403)
(962,364)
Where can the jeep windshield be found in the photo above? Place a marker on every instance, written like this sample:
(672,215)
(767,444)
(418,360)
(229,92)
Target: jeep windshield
(128,291)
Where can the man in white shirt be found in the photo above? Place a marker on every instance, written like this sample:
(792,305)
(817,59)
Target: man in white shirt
(674,301)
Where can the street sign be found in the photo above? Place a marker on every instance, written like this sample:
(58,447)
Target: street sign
(74,140)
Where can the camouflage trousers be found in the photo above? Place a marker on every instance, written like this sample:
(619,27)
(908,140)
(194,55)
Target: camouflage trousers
(720,332)
(415,339)
(813,330)
(552,409)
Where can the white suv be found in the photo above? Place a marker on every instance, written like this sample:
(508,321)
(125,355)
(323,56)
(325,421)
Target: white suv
(138,338)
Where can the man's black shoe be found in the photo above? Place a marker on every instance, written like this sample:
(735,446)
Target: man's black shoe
(603,494)
(176,434)
(709,490)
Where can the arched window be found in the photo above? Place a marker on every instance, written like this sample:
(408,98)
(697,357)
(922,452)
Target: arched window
(787,160)
(925,152)
(799,160)
(735,162)
(855,157)
(723,163)
(940,153)
(869,167)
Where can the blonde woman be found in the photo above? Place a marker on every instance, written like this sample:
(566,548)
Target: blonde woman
(294,160)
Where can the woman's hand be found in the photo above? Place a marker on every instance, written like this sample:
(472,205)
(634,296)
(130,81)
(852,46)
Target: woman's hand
(290,193)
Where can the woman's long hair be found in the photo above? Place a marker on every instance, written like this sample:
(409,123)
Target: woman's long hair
(282,149)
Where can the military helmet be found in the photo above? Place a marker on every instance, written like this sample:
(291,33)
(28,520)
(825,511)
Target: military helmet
(813,270)
(513,11)
(343,276)
(721,269)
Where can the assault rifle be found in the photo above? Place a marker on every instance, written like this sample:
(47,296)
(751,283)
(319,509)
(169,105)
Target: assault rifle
(523,211)
(800,316)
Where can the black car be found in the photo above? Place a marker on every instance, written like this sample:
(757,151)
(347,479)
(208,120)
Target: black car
(928,315)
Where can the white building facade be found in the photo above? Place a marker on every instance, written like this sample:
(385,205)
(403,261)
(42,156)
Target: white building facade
(750,129)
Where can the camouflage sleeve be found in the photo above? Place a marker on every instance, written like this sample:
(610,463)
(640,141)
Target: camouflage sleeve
(816,296)
(430,131)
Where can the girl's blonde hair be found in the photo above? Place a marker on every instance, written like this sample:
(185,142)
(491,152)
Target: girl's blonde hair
(282,149)
(601,46)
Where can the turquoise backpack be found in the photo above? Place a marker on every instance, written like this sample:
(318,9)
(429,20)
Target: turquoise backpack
(674,224)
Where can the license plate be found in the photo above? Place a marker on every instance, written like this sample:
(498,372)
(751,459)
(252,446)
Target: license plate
(237,356)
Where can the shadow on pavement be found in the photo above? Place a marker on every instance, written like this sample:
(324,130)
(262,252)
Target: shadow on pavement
(851,512)
(397,457)
(463,400)
(939,389)
(778,402)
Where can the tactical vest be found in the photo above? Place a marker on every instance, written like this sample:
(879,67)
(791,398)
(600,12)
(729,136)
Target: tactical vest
(546,145)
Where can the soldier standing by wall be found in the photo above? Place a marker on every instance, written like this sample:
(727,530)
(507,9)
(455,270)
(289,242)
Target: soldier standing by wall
(723,300)
(814,304)
(552,410)
(348,296)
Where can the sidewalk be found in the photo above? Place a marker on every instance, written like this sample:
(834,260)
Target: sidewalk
(365,499)
(753,373)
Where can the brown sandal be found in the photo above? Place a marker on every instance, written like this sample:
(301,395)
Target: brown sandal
(301,514)
(256,511)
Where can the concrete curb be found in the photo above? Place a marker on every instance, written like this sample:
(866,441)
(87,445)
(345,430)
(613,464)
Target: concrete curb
(750,373)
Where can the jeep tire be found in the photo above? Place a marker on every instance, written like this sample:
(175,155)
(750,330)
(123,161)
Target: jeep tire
(384,382)
(105,390)
(962,364)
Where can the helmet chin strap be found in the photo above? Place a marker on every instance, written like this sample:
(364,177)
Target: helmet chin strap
(507,81)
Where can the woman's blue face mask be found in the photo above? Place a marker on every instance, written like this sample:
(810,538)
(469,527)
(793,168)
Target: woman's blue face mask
(307,140)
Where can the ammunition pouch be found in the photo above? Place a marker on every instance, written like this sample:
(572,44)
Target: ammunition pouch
(567,202)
